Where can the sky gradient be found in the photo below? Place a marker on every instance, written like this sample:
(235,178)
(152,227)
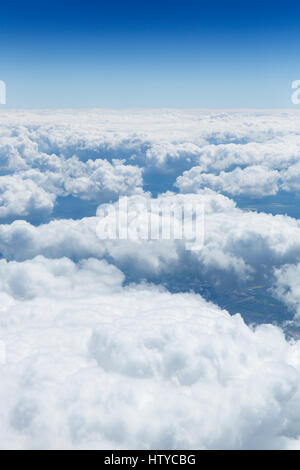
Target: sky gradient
(232,54)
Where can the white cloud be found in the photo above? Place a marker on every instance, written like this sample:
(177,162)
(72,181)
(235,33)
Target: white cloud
(96,362)
(71,153)
(26,192)
(238,242)
(98,365)
(252,181)
(287,286)
(291,178)
(20,197)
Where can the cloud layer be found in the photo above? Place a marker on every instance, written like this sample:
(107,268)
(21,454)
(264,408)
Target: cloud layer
(98,155)
(107,366)
(108,342)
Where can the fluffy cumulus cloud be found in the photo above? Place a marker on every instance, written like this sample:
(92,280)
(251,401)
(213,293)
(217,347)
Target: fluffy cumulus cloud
(251,181)
(94,364)
(287,286)
(242,243)
(108,342)
(20,197)
(28,192)
(99,154)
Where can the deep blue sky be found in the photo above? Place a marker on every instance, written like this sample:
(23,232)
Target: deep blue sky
(219,54)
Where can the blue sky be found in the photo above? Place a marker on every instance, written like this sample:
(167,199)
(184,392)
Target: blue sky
(149,54)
